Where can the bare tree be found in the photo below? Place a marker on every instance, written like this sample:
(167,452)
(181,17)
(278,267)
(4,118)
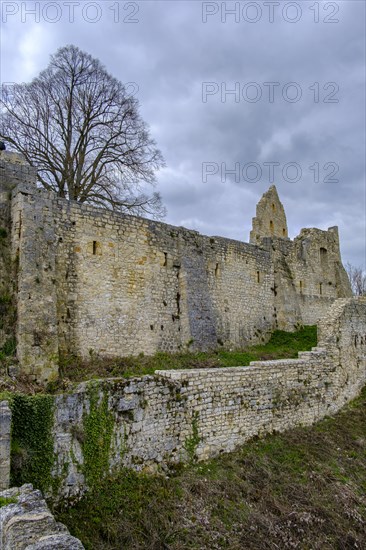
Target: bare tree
(357,279)
(83,132)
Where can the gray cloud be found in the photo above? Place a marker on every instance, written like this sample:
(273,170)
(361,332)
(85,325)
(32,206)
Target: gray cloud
(170,52)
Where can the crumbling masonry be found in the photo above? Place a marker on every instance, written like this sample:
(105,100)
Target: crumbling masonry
(83,279)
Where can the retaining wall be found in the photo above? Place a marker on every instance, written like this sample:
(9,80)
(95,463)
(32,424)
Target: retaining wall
(150,422)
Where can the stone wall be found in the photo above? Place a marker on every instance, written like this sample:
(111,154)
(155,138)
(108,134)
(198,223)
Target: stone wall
(5,429)
(94,281)
(13,171)
(26,523)
(150,422)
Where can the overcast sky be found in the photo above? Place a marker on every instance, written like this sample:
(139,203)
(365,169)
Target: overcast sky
(296,71)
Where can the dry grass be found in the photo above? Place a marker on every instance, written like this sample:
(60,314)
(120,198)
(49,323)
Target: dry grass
(281,345)
(74,370)
(304,489)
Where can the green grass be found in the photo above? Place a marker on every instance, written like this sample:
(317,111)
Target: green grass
(281,345)
(301,489)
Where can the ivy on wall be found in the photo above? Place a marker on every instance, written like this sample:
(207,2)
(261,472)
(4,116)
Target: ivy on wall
(98,428)
(32,453)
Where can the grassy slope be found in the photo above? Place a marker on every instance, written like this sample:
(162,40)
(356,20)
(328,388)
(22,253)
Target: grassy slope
(74,370)
(282,344)
(302,489)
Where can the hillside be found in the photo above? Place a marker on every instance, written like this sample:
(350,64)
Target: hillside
(302,489)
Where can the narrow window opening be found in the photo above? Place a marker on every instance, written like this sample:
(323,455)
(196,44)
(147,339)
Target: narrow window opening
(320,288)
(273,207)
(95,244)
(151,327)
(284,232)
(323,257)
(165,259)
(271,227)
(217,270)
(258,277)
(301,287)
(178,303)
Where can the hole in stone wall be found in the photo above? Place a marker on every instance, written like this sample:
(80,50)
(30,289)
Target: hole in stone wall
(178,303)
(161,327)
(258,277)
(271,227)
(20,226)
(165,259)
(151,327)
(217,270)
(94,247)
(273,207)
(284,232)
(320,288)
(165,303)
(301,287)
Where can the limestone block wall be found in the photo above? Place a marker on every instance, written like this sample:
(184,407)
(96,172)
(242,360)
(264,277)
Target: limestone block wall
(6,286)
(14,171)
(92,280)
(178,415)
(34,242)
(86,280)
(150,422)
(308,276)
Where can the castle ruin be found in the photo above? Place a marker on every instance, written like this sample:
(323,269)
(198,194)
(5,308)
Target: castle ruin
(87,280)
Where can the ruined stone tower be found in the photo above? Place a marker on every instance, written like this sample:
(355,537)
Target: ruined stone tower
(14,171)
(270,220)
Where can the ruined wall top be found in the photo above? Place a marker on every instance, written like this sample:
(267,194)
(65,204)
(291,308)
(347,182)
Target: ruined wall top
(270,220)
(15,170)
